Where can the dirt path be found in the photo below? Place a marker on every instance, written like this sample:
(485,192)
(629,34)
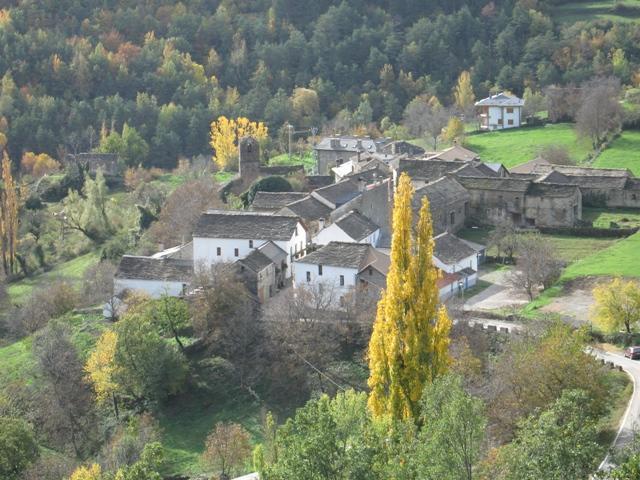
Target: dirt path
(576,300)
(498,295)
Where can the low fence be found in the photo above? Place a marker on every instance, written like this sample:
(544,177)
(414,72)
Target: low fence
(589,231)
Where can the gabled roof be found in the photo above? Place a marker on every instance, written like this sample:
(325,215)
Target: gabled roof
(574,171)
(632,184)
(339,193)
(340,254)
(133,267)
(501,99)
(547,189)
(317,181)
(530,166)
(274,200)
(554,177)
(356,225)
(428,169)
(444,191)
(273,252)
(449,249)
(256,261)
(309,209)
(245,225)
(457,152)
(494,183)
(611,183)
(349,143)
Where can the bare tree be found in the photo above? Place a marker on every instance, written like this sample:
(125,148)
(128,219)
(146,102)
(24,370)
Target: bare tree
(227,448)
(504,239)
(600,112)
(556,154)
(426,119)
(97,283)
(562,102)
(537,264)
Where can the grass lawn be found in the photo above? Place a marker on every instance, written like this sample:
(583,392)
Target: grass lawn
(623,152)
(185,427)
(620,258)
(71,270)
(595,10)
(601,218)
(518,145)
(307,159)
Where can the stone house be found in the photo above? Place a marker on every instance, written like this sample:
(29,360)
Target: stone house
(552,205)
(351,227)
(334,151)
(312,211)
(154,276)
(500,111)
(449,203)
(274,201)
(258,273)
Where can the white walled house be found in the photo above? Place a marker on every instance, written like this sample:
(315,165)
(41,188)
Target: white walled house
(452,255)
(226,236)
(500,111)
(336,270)
(154,276)
(352,227)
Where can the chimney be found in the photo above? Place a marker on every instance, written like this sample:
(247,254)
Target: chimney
(361,184)
(320,224)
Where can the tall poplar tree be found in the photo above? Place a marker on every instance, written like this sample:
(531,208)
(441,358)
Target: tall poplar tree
(463,93)
(8,217)
(410,338)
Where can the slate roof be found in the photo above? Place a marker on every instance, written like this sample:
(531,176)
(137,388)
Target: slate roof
(133,267)
(500,100)
(356,225)
(351,144)
(528,167)
(632,184)
(273,252)
(256,261)
(275,200)
(604,183)
(574,171)
(339,193)
(281,169)
(309,209)
(449,249)
(317,181)
(245,225)
(458,152)
(441,192)
(545,189)
(494,183)
(554,177)
(340,254)
(370,175)
(428,169)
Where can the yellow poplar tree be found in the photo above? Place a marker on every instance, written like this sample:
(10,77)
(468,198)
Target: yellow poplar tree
(410,338)
(92,472)
(463,92)
(225,133)
(9,207)
(100,369)
(454,129)
(617,305)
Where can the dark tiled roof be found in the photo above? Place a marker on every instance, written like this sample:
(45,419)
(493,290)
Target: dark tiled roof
(443,191)
(340,254)
(554,177)
(309,209)
(632,184)
(501,100)
(546,189)
(530,166)
(428,169)
(574,171)
(273,252)
(494,183)
(356,225)
(256,261)
(489,169)
(474,170)
(613,183)
(450,249)
(318,181)
(339,193)
(351,144)
(370,175)
(160,269)
(275,200)
(457,153)
(245,225)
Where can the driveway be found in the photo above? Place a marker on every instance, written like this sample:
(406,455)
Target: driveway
(631,419)
(498,295)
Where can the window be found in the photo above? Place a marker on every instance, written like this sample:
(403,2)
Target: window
(319,269)
(340,161)
(236,252)
(509,109)
(342,280)
(250,243)
(510,121)
(308,277)
(370,271)
(453,218)
(218,251)
(633,196)
(499,121)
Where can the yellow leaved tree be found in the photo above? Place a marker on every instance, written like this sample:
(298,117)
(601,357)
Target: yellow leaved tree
(9,207)
(92,472)
(225,134)
(409,345)
(617,305)
(100,369)
(463,93)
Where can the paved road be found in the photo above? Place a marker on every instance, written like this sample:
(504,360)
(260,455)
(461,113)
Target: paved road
(631,419)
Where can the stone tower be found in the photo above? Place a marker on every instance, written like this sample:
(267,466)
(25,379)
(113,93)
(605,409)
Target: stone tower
(249,159)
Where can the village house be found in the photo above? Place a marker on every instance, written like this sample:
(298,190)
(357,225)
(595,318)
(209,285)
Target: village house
(500,111)
(351,227)
(448,201)
(228,236)
(338,269)
(154,276)
(453,255)
(333,151)
(274,201)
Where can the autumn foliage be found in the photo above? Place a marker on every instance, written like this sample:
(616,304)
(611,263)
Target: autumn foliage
(225,134)
(9,207)
(38,165)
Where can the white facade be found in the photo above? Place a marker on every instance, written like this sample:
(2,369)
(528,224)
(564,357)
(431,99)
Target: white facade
(336,282)
(208,251)
(153,288)
(468,262)
(333,233)
(499,118)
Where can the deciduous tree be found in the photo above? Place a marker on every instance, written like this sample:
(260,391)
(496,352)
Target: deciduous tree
(225,134)
(18,447)
(463,93)
(454,129)
(617,305)
(409,343)
(9,207)
(100,369)
(227,448)
(600,112)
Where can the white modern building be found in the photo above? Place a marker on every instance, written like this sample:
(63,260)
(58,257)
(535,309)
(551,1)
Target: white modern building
(226,236)
(500,111)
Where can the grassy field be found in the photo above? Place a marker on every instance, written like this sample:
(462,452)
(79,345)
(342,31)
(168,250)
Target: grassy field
(602,218)
(621,258)
(307,159)
(71,270)
(596,10)
(518,145)
(623,152)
